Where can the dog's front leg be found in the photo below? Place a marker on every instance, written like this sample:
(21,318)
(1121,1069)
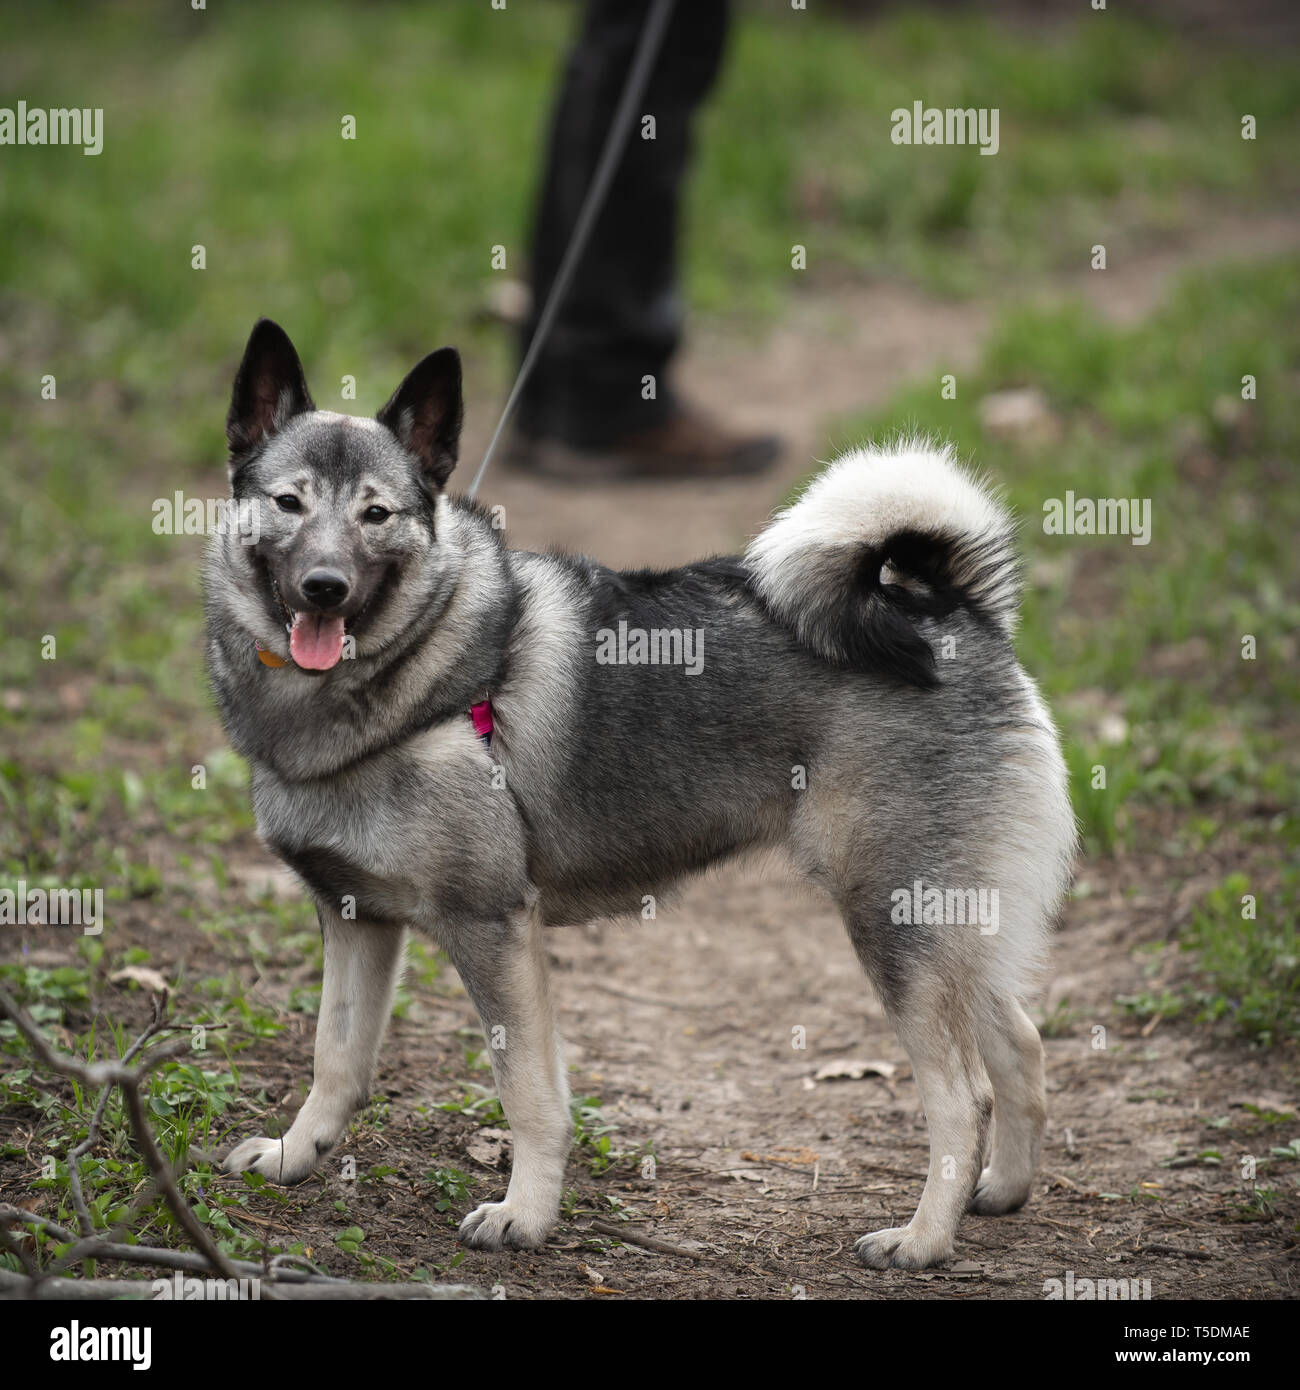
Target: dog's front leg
(362,963)
(504,971)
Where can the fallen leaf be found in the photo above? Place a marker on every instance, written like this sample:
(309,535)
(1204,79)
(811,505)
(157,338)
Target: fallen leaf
(849,1070)
(488,1146)
(143,975)
(781,1156)
(1021,414)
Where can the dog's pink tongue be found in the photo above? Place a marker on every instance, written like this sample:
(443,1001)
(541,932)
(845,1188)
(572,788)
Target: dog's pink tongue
(316,642)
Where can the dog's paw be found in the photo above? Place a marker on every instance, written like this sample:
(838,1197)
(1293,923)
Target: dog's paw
(505,1226)
(899,1247)
(281,1161)
(994,1194)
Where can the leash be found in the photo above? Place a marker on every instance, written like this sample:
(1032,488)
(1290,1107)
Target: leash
(634,88)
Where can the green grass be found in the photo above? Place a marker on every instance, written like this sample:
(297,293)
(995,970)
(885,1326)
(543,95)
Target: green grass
(1247,947)
(1102,125)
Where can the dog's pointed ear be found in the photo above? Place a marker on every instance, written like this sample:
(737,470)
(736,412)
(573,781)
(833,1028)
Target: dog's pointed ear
(425,413)
(270,388)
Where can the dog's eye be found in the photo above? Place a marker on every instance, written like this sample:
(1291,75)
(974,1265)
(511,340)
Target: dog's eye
(376,514)
(288,503)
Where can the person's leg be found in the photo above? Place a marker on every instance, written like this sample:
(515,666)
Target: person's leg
(621,318)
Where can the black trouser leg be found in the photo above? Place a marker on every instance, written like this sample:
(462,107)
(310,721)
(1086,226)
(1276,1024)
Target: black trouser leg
(621,318)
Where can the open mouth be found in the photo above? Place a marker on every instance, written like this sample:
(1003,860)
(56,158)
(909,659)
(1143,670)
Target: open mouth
(316,641)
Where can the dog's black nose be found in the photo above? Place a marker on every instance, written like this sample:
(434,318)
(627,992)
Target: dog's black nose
(325,588)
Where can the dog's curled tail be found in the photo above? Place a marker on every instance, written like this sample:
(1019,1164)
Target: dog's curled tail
(883,538)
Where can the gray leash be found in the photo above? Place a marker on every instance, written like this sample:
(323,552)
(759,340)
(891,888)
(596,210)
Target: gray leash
(638,74)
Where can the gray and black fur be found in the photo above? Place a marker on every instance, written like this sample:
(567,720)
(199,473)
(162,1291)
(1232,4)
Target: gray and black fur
(859,705)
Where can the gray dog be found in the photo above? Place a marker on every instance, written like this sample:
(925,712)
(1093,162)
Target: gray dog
(478,743)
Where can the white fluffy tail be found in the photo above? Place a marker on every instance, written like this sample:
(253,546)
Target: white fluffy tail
(940,537)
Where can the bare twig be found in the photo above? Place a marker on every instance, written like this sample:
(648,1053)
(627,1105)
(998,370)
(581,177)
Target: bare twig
(606,988)
(92,1134)
(88,1073)
(166,1180)
(314,1290)
(128,1078)
(1152,1248)
(185,1260)
(630,1237)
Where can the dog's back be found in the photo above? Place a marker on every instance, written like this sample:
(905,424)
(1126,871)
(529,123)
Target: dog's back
(881,727)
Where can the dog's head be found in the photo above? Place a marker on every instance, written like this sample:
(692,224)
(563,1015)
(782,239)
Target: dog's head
(344,505)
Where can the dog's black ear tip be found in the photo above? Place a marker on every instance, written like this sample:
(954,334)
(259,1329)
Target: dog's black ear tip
(439,369)
(267,340)
(267,330)
(445,357)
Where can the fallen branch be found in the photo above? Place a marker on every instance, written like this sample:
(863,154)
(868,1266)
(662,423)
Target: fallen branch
(92,1134)
(143,1289)
(1150,1248)
(629,1237)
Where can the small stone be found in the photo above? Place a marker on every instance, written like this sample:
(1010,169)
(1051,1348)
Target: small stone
(1023,415)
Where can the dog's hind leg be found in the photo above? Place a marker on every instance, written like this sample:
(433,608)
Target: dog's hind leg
(920,978)
(1013,1054)
(935,1028)
(362,963)
(503,967)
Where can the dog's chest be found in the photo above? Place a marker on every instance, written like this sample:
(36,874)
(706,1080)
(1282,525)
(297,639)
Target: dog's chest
(363,816)
(381,836)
